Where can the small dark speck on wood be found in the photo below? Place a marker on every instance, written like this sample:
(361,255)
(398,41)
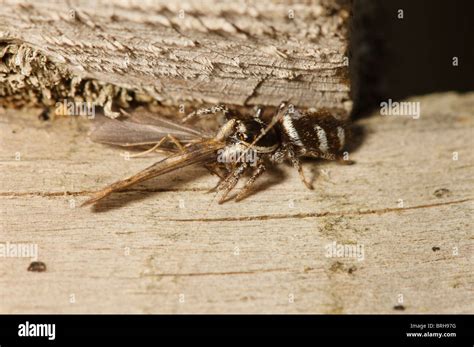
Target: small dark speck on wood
(442,192)
(37,266)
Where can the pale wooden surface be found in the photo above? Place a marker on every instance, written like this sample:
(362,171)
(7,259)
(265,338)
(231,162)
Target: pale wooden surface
(192,250)
(235,52)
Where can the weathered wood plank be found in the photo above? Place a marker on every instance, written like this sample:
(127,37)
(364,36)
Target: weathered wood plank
(201,51)
(141,251)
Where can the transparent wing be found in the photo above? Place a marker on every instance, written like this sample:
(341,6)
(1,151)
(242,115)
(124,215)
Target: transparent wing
(141,128)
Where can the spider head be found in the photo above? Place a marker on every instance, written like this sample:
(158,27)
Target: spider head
(249,132)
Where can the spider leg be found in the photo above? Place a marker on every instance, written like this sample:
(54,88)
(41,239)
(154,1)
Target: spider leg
(231,180)
(258,171)
(204,112)
(216,169)
(295,161)
(297,164)
(340,159)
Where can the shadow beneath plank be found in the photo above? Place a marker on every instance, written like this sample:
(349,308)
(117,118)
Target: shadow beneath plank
(358,133)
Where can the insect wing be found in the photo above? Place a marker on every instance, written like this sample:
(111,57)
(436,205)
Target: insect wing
(195,153)
(141,128)
(142,116)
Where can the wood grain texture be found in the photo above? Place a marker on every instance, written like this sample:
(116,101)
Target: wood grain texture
(167,246)
(235,52)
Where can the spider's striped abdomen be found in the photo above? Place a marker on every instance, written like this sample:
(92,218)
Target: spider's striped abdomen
(320,135)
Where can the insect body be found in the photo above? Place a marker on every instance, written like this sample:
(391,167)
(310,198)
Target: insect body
(242,145)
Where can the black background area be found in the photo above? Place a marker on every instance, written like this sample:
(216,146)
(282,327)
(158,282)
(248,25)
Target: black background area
(397,58)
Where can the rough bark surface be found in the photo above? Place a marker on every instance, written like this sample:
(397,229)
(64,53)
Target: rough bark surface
(167,246)
(235,52)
